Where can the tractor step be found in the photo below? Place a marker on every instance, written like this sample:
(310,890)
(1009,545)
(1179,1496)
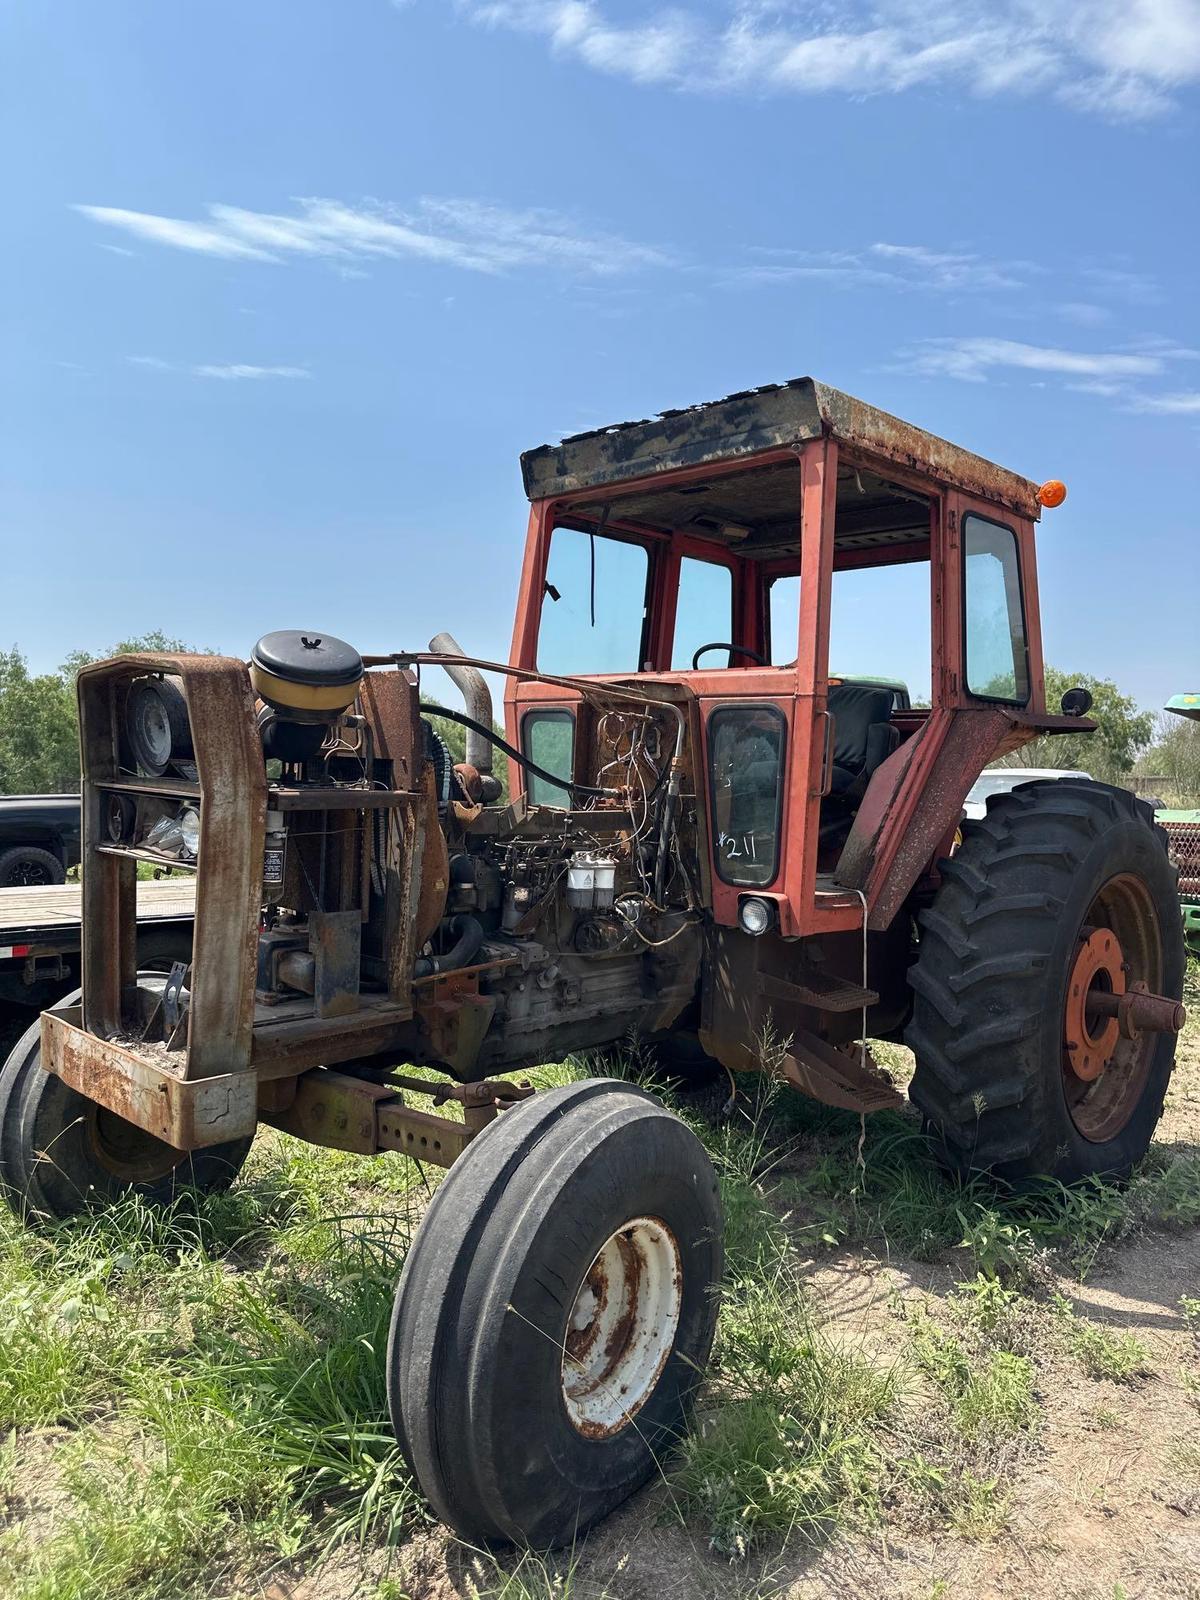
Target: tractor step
(822,991)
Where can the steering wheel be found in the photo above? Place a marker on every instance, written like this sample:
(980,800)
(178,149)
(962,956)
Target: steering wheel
(722,644)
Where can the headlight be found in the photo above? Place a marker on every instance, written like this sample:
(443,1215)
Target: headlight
(756,916)
(189,825)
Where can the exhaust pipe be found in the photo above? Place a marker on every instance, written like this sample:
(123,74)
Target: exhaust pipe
(475,692)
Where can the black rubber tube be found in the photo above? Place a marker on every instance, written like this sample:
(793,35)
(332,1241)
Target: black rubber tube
(511,750)
(468,938)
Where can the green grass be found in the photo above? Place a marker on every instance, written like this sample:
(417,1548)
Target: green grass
(220,1363)
(215,1369)
(791,1440)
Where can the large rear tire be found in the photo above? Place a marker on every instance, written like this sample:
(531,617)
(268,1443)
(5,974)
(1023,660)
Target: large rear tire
(61,1153)
(1064,889)
(555,1314)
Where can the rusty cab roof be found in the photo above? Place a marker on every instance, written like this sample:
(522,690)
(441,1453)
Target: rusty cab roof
(773,417)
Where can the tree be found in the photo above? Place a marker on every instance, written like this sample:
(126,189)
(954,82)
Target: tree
(39,723)
(1172,763)
(1111,752)
(39,732)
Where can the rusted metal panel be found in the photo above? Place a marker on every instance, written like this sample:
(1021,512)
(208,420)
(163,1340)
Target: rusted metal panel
(913,801)
(759,420)
(389,702)
(330,1109)
(757,1017)
(297,1044)
(455,1017)
(335,939)
(144,1087)
(421,1135)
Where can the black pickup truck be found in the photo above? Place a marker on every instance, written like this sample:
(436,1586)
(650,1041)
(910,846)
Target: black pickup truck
(39,839)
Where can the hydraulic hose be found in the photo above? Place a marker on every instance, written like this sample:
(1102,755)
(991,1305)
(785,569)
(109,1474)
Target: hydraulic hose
(515,754)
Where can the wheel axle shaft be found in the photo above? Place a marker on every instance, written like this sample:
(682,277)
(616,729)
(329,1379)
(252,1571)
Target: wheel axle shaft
(1137,1011)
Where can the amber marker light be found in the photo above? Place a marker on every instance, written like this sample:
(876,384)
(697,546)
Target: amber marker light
(1052,493)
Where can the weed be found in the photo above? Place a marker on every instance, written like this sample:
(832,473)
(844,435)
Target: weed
(1117,1357)
(530,1577)
(970,1503)
(987,1395)
(1000,1247)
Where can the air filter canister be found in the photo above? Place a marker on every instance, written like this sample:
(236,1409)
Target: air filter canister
(306,677)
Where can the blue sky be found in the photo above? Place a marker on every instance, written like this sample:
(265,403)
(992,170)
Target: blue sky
(289,285)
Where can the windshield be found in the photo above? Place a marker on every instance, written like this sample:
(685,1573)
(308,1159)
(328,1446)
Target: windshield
(593,605)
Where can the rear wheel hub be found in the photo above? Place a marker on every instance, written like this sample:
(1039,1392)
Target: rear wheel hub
(1114,1009)
(1089,1038)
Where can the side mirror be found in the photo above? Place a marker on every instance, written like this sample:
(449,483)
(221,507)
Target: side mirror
(1076,702)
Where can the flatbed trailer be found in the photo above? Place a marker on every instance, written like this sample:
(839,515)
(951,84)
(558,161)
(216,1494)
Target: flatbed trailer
(41,937)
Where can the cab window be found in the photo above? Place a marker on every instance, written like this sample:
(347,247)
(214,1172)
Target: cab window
(594,604)
(994,619)
(703,614)
(548,737)
(746,748)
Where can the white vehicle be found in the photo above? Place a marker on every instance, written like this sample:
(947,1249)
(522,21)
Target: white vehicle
(999,780)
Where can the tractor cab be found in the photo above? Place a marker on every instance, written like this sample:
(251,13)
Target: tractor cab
(731,553)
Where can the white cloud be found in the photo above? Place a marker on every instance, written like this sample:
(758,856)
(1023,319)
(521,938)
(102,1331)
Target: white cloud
(898,266)
(1184,404)
(230,372)
(972,359)
(471,234)
(1117,375)
(172,231)
(242,370)
(1118,58)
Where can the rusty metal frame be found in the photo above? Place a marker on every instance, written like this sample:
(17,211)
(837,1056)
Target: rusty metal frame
(231,797)
(185,1112)
(365,1118)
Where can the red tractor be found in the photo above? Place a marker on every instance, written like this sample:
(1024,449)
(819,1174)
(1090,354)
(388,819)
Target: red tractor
(711,843)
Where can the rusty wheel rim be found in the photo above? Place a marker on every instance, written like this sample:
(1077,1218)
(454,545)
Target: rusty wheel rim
(1119,945)
(127,1152)
(622,1327)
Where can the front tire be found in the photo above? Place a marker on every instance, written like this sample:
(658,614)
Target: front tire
(61,1153)
(555,1314)
(1063,889)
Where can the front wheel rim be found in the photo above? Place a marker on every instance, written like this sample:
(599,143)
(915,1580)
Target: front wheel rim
(622,1327)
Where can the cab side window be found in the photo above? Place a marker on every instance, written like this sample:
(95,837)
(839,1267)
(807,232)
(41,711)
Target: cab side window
(997,654)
